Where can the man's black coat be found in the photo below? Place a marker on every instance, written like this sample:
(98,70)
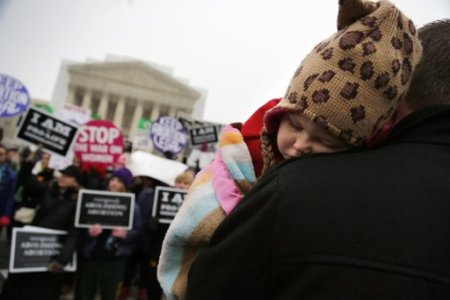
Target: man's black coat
(371,224)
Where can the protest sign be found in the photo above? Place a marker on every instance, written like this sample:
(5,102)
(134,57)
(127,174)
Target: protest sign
(14,97)
(55,135)
(32,248)
(145,164)
(128,148)
(168,135)
(75,115)
(99,143)
(166,203)
(105,208)
(203,135)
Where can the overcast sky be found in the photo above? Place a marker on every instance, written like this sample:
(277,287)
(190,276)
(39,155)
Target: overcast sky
(243,52)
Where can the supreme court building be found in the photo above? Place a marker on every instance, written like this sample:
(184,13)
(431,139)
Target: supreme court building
(125,91)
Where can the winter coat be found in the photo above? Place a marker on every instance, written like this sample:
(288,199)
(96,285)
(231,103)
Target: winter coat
(145,203)
(370,224)
(32,192)
(57,211)
(7,190)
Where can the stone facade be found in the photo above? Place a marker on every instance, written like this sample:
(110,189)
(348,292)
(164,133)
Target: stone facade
(122,91)
(126,91)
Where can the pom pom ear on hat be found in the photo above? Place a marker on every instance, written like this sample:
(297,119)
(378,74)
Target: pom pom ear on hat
(352,10)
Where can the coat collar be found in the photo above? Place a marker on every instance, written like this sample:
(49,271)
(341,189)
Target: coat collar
(427,125)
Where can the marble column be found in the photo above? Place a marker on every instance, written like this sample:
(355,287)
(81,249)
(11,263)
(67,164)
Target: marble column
(103,106)
(118,114)
(155,112)
(70,98)
(172,111)
(87,98)
(137,115)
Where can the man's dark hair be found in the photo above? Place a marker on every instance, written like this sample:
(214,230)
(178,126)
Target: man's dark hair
(431,80)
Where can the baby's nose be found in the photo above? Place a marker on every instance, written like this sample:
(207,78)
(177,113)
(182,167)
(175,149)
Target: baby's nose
(303,144)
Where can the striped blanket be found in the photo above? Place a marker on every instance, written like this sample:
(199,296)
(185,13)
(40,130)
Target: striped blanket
(215,192)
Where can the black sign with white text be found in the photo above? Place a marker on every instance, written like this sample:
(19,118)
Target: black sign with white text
(166,203)
(128,147)
(33,249)
(105,208)
(203,135)
(54,134)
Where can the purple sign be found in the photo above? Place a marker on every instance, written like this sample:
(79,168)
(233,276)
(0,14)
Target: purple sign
(168,134)
(14,97)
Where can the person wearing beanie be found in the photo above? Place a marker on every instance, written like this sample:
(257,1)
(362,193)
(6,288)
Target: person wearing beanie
(361,224)
(103,252)
(120,180)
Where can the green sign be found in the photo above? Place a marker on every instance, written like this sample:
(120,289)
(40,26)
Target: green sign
(45,107)
(95,116)
(144,124)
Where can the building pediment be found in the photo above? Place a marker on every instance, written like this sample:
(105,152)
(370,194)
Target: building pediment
(134,73)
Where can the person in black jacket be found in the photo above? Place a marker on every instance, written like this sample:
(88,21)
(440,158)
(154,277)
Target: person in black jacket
(366,224)
(56,211)
(103,252)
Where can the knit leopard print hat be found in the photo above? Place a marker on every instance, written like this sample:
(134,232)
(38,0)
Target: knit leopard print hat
(352,82)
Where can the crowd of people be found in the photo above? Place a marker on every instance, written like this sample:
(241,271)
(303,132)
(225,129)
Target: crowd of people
(338,190)
(109,261)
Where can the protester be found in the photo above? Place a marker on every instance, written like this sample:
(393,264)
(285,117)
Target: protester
(42,175)
(26,166)
(103,252)
(153,238)
(94,178)
(12,158)
(35,182)
(369,224)
(42,168)
(7,189)
(56,211)
(342,93)
(184,180)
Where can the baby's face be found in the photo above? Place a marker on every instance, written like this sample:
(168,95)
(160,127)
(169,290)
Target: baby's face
(297,136)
